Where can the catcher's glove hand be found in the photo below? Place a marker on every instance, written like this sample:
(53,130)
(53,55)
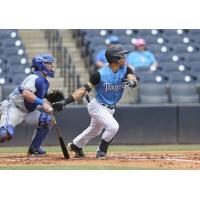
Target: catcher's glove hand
(130,83)
(55,96)
(58,106)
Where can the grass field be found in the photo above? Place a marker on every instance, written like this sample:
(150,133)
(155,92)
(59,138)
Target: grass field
(55,161)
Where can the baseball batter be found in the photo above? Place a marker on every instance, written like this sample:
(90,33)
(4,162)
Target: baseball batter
(109,82)
(22,103)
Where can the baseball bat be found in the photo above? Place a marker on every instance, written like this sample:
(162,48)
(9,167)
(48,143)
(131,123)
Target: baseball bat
(61,141)
(87,97)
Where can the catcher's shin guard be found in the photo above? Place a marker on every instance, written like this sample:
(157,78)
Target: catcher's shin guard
(33,151)
(6,133)
(41,133)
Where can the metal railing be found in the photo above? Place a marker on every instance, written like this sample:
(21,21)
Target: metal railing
(64,60)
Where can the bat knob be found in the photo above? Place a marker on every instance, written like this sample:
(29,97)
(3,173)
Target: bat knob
(50,109)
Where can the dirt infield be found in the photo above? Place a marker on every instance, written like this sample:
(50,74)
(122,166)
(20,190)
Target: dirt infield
(138,160)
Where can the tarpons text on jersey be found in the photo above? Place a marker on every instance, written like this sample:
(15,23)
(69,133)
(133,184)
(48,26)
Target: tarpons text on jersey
(110,87)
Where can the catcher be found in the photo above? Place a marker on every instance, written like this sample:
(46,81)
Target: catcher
(27,103)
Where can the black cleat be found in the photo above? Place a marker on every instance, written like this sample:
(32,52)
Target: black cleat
(35,152)
(101,154)
(78,151)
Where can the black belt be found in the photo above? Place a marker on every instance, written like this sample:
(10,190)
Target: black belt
(110,107)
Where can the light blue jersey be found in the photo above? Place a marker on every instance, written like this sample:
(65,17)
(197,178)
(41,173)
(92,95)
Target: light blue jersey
(111,87)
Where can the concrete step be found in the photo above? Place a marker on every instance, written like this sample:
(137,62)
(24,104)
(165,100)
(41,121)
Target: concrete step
(37,45)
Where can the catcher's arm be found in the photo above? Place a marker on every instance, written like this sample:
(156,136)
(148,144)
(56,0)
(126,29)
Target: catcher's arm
(32,98)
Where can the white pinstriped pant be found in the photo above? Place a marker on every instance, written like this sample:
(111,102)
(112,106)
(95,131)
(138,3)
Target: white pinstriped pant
(101,117)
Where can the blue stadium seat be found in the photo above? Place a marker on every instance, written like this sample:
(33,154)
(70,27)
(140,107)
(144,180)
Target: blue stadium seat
(8,33)
(183,93)
(167,57)
(170,32)
(174,39)
(95,32)
(7,89)
(13,60)
(13,51)
(153,99)
(173,67)
(129,47)
(121,32)
(153,93)
(193,57)
(124,39)
(154,47)
(143,32)
(180,48)
(152,78)
(16,79)
(16,69)
(178,77)
(13,43)
(153,89)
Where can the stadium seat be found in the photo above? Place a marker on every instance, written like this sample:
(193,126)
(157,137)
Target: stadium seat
(170,32)
(16,79)
(13,60)
(173,67)
(16,69)
(183,93)
(154,47)
(143,32)
(151,99)
(8,33)
(13,51)
(153,93)
(184,99)
(124,39)
(176,39)
(7,89)
(152,78)
(153,88)
(179,77)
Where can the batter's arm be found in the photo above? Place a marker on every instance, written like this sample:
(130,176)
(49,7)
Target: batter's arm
(79,93)
(131,78)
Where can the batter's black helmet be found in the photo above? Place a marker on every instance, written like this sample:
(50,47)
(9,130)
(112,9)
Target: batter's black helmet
(114,53)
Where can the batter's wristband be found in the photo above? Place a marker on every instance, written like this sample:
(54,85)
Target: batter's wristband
(69,100)
(38,101)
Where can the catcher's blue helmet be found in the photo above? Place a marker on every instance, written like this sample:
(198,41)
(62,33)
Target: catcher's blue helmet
(38,62)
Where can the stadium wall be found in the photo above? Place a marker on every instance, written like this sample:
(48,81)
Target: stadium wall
(139,124)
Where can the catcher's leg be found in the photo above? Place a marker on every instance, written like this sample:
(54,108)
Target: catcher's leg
(10,117)
(44,125)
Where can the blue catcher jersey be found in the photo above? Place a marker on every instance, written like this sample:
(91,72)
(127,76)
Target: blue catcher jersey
(111,87)
(37,84)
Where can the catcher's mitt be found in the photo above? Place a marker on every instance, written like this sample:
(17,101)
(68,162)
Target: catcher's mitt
(55,96)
